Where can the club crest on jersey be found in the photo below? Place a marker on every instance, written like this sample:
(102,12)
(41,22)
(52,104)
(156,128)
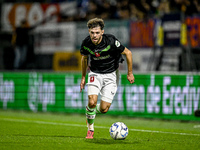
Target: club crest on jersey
(97,54)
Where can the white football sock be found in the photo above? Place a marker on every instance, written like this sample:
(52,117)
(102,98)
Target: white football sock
(90,126)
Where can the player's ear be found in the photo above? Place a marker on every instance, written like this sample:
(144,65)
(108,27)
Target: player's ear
(102,32)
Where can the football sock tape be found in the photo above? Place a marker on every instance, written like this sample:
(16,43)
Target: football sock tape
(90,115)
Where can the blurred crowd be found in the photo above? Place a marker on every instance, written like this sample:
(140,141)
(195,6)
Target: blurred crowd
(124,9)
(131,9)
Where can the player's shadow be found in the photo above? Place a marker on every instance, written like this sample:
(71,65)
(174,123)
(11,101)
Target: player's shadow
(109,141)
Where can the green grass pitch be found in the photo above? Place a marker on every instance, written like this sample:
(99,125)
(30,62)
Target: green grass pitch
(27,130)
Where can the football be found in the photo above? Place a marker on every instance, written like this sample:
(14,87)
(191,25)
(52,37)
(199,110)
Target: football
(118,131)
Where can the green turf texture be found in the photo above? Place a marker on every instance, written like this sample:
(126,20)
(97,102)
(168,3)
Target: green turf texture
(28,130)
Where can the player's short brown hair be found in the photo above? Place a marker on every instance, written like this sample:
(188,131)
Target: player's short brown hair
(95,22)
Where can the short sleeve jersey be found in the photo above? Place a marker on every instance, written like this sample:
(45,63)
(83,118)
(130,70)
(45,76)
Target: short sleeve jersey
(104,57)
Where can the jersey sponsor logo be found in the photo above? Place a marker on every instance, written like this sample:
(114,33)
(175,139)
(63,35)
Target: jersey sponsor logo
(101,58)
(117,43)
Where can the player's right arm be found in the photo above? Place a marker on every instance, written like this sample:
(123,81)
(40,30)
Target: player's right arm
(84,65)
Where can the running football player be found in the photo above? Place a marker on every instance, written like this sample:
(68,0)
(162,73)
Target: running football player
(102,53)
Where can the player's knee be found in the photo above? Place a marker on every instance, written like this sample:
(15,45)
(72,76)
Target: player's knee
(92,101)
(92,104)
(104,110)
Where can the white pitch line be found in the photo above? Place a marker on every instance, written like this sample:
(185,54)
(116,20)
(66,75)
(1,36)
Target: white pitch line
(78,125)
(164,132)
(196,126)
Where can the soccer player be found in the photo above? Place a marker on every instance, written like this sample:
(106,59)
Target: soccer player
(103,52)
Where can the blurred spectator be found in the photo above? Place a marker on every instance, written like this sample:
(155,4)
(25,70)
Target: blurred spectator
(191,7)
(188,7)
(129,9)
(163,8)
(109,10)
(82,8)
(146,6)
(197,5)
(133,12)
(92,10)
(123,9)
(142,9)
(20,40)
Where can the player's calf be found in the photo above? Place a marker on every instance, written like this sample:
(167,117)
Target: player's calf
(90,115)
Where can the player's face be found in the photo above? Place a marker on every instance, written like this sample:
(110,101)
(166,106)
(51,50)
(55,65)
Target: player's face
(96,35)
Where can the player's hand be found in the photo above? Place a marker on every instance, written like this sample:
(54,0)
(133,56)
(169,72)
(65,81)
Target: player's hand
(131,78)
(82,85)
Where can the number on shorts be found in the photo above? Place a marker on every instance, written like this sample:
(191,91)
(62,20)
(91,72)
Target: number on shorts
(92,79)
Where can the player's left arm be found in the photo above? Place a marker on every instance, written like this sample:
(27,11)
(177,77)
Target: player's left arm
(129,60)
